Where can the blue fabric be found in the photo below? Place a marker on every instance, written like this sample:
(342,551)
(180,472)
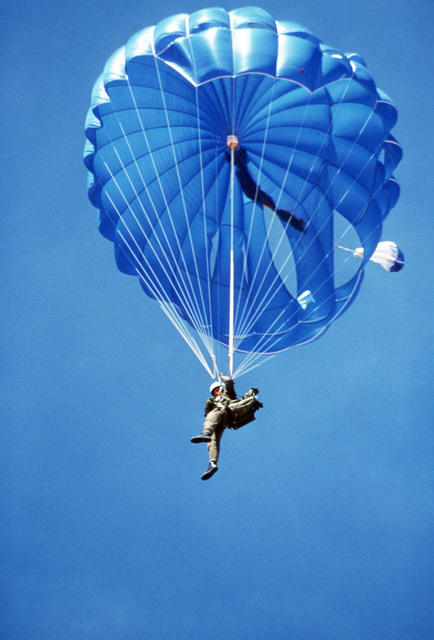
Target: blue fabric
(316,132)
(400,262)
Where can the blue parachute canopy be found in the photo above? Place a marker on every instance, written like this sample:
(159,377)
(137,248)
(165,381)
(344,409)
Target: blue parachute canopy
(314,131)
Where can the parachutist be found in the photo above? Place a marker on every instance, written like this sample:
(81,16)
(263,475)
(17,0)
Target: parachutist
(255,193)
(224,410)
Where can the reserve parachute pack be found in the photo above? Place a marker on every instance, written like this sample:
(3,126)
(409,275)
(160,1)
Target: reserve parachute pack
(242,411)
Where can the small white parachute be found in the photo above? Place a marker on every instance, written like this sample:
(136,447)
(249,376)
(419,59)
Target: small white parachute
(387,254)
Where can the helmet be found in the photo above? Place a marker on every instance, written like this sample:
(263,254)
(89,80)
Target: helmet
(214,386)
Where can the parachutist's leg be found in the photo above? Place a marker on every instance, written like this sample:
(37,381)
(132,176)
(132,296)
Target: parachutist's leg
(211,424)
(212,421)
(215,424)
(214,445)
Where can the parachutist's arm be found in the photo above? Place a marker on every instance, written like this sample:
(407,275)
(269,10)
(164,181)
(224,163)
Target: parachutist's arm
(230,389)
(229,386)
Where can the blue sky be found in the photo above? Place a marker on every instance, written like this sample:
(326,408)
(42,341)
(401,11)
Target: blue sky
(319,523)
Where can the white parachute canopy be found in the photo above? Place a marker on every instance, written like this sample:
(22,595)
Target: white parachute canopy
(387,254)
